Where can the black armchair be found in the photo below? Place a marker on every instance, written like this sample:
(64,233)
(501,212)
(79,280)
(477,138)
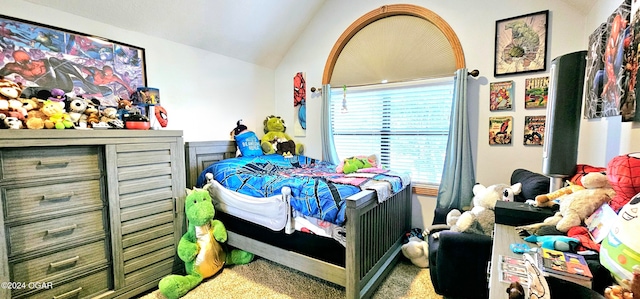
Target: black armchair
(458,261)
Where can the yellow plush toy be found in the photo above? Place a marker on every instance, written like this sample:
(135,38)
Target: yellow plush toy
(274,132)
(547,200)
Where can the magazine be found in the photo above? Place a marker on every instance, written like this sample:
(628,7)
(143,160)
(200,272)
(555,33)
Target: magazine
(600,222)
(564,264)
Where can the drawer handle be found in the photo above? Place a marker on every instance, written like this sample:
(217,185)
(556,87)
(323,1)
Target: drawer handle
(65,263)
(63,229)
(53,164)
(69,294)
(62,196)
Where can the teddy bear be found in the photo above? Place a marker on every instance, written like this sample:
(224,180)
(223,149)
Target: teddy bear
(417,251)
(574,208)
(200,247)
(481,218)
(35,117)
(9,99)
(274,129)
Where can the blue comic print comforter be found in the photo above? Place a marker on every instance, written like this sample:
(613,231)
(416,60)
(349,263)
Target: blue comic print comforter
(317,189)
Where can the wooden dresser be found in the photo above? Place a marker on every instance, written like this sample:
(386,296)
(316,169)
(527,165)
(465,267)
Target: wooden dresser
(89,213)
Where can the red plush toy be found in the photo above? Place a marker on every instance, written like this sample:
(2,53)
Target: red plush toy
(623,173)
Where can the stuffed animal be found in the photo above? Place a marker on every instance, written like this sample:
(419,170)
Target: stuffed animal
(274,129)
(200,247)
(481,218)
(574,208)
(76,108)
(9,98)
(57,118)
(623,173)
(548,200)
(35,117)
(110,118)
(247,142)
(620,249)
(10,122)
(352,164)
(630,289)
(57,95)
(285,147)
(417,251)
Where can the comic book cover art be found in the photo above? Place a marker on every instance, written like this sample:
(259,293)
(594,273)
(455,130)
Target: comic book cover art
(501,95)
(534,129)
(500,129)
(536,92)
(42,57)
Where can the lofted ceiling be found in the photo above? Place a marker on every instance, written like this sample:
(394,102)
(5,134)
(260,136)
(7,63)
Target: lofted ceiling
(258,32)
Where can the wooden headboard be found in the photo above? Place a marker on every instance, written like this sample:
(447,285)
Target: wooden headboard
(200,154)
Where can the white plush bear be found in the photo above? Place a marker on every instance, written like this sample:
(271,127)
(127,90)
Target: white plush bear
(416,250)
(481,218)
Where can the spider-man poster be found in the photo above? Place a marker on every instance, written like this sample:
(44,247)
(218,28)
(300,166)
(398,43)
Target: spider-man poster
(611,68)
(300,104)
(42,57)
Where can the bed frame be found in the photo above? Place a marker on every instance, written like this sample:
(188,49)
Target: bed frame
(374,231)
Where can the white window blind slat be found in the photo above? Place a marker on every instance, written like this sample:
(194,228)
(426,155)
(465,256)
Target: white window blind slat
(406,125)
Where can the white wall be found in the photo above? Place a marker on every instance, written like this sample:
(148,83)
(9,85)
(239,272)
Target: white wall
(474,23)
(204,93)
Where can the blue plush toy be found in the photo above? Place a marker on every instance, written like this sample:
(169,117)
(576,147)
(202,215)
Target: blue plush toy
(554,242)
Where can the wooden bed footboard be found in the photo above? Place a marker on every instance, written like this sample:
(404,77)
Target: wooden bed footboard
(374,231)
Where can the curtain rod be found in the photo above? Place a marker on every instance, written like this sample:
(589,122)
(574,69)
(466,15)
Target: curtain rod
(473,73)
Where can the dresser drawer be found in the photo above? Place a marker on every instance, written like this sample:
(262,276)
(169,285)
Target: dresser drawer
(85,287)
(60,265)
(49,162)
(55,232)
(39,200)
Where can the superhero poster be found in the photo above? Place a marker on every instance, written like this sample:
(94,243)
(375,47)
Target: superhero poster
(534,129)
(612,65)
(300,104)
(536,92)
(42,57)
(500,129)
(501,95)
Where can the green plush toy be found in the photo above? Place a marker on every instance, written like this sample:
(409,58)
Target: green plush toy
(274,132)
(203,256)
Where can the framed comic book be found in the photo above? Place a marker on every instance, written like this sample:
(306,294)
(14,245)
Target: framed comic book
(43,57)
(536,92)
(501,95)
(500,129)
(534,129)
(521,44)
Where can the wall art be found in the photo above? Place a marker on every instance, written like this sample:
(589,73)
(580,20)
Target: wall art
(501,94)
(521,44)
(534,129)
(300,104)
(43,57)
(536,92)
(500,129)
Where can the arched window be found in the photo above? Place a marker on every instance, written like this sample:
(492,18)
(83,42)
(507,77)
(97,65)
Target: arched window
(404,120)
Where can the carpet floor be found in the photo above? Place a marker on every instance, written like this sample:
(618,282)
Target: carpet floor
(265,279)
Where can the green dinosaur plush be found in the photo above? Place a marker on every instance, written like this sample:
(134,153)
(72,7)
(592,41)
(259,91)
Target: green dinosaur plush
(199,247)
(274,132)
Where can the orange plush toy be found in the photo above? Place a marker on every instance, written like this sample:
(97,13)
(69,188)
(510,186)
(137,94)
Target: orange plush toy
(629,290)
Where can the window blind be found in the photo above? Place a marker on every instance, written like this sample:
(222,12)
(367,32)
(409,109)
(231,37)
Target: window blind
(405,124)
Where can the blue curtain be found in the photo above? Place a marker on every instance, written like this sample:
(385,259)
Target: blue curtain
(458,177)
(329,153)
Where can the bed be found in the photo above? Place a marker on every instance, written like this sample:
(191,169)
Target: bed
(374,231)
